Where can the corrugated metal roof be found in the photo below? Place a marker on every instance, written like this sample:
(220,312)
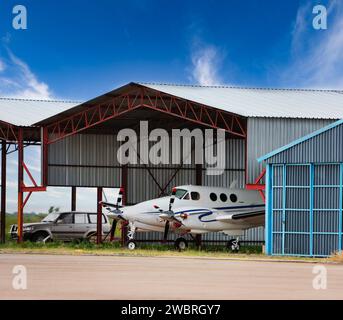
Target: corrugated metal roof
(259,102)
(26,112)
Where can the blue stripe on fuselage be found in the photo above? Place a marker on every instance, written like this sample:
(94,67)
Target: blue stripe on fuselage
(206,212)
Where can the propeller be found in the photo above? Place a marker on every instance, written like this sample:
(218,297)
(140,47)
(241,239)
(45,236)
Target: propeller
(116,206)
(114,210)
(169,215)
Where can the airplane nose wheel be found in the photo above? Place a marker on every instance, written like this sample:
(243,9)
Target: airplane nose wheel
(181,244)
(233,245)
(131,245)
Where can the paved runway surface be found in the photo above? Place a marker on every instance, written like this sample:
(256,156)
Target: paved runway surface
(100,277)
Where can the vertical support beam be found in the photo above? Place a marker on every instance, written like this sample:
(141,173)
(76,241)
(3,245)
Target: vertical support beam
(311,206)
(45,146)
(20,184)
(284,202)
(99,216)
(124,185)
(198,182)
(3,192)
(73,198)
(340,218)
(269,210)
(198,174)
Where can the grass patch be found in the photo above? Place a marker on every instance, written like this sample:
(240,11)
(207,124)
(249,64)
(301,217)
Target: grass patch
(336,257)
(144,250)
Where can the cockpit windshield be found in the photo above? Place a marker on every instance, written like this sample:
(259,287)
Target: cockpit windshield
(180,193)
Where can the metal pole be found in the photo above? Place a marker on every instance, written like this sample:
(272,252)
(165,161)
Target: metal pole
(198,182)
(3,192)
(20,184)
(124,183)
(99,216)
(45,137)
(73,198)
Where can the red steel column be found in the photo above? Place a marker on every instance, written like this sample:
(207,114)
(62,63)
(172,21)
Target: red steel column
(73,198)
(45,147)
(3,192)
(20,184)
(124,185)
(99,216)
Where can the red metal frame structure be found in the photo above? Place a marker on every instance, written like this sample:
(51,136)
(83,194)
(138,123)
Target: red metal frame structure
(143,98)
(258,186)
(22,188)
(3,191)
(8,132)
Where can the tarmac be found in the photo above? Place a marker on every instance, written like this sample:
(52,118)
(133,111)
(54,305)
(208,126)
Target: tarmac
(151,278)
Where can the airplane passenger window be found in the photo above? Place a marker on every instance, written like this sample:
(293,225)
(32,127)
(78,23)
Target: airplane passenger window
(195,195)
(233,197)
(213,196)
(223,197)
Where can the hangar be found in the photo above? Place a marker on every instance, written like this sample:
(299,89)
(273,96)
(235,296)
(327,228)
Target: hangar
(304,187)
(79,142)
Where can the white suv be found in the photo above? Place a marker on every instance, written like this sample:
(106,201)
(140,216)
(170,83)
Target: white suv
(66,226)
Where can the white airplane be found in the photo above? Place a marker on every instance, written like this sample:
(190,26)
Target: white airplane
(193,210)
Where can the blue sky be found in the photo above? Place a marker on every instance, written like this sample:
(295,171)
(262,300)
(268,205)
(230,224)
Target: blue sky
(79,49)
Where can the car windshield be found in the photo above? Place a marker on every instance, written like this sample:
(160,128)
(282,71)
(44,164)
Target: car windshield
(52,217)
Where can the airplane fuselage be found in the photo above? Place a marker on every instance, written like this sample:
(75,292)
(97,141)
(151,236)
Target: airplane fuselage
(198,209)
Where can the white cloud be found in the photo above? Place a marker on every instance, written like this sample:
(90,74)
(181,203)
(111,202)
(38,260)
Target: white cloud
(17,80)
(316,55)
(205,64)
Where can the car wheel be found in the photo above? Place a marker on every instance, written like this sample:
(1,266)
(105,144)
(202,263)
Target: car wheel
(131,245)
(40,237)
(181,244)
(92,238)
(233,245)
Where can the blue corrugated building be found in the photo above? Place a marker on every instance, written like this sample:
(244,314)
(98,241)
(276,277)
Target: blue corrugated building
(304,191)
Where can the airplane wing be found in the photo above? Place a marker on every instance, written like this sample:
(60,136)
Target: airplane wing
(239,215)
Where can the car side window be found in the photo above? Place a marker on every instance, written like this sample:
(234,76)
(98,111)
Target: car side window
(67,218)
(195,195)
(93,218)
(80,218)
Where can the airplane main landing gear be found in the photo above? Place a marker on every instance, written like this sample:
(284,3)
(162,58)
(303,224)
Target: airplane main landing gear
(181,244)
(233,245)
(131,245)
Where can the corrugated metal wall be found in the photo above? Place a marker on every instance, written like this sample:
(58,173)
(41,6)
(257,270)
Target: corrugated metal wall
(254,236)
(88,160)
(321,148)
(268,134)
